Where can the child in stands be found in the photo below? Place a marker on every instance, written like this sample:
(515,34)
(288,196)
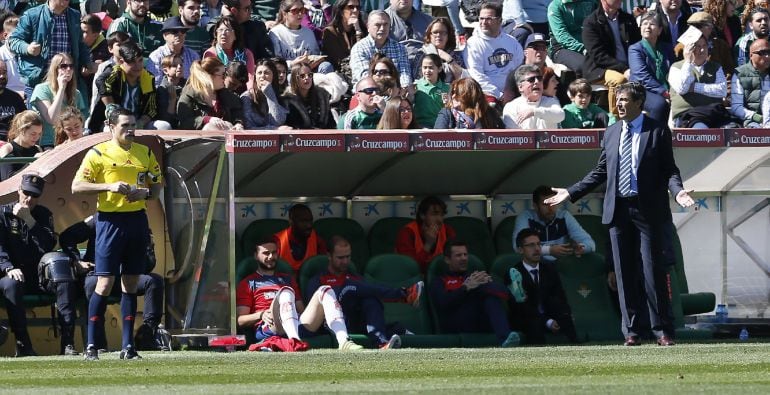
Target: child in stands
(581,113)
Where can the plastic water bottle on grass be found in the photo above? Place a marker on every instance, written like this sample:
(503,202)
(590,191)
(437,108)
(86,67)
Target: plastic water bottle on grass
(744,335)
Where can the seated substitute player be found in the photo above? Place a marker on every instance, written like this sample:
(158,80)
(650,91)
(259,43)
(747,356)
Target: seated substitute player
(149,336)
(26,233)
(542,306)
(470,302)
(299,241)
(362,301)
(268,303)
(424,238)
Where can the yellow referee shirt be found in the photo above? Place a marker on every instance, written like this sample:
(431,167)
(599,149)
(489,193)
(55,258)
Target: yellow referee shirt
(107,163)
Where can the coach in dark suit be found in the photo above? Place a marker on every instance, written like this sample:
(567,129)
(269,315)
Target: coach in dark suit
(544,307)
(637,162)
(607,34)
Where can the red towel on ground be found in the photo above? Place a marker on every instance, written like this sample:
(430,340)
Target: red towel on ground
(277,343)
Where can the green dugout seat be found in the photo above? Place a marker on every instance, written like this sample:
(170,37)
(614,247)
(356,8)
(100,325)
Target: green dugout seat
(438,268)
(502,264)
(692,303)
(349,229)
(585,284)
(258,230)
(400,271)
(382,235)
(504,235)
(476,234)
(598,231)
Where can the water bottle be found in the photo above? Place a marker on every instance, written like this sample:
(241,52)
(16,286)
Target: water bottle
(721,313)
(744,335)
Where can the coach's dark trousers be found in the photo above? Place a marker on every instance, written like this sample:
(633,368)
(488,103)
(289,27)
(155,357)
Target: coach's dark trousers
(641,271)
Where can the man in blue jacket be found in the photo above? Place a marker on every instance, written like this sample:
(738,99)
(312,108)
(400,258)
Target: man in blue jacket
(44,31)
(560,234)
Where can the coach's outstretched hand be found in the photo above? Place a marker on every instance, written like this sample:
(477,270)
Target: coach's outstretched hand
(561,195)
(684,199)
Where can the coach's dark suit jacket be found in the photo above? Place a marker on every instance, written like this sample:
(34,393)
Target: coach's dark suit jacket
(525,316)
(600,43)
(656,175)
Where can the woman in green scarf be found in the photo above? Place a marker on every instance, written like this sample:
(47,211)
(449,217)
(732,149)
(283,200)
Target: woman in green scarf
(649,61)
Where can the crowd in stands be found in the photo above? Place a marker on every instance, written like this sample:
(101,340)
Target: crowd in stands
(291,64)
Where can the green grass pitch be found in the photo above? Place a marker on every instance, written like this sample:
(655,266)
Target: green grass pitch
(732,368)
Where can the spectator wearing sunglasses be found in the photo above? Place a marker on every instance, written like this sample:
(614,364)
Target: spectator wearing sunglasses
(294,42)
(532,110)
(58,91)
(367,113)
(385,74)
(346,28)
(749,82)
(309,105)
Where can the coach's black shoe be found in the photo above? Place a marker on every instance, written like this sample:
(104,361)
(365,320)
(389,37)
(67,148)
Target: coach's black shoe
(91,354)
(129,353)
(24,350)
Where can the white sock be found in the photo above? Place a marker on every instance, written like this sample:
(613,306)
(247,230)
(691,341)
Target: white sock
(289,317)
(333,313)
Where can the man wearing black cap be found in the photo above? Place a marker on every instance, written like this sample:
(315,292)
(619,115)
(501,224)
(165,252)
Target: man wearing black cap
(174,33)
(535,53)
(26,233)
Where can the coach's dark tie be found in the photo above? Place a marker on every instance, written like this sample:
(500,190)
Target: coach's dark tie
(624,170)
(535,276)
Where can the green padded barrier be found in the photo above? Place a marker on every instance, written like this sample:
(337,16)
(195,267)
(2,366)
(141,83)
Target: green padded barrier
(382,235)
(400,271)
(476,234)
(349,229)
(504,235)
(598,231)
(585,284)
(258,230)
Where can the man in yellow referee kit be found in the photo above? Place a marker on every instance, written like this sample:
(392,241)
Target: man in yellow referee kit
(124,174)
